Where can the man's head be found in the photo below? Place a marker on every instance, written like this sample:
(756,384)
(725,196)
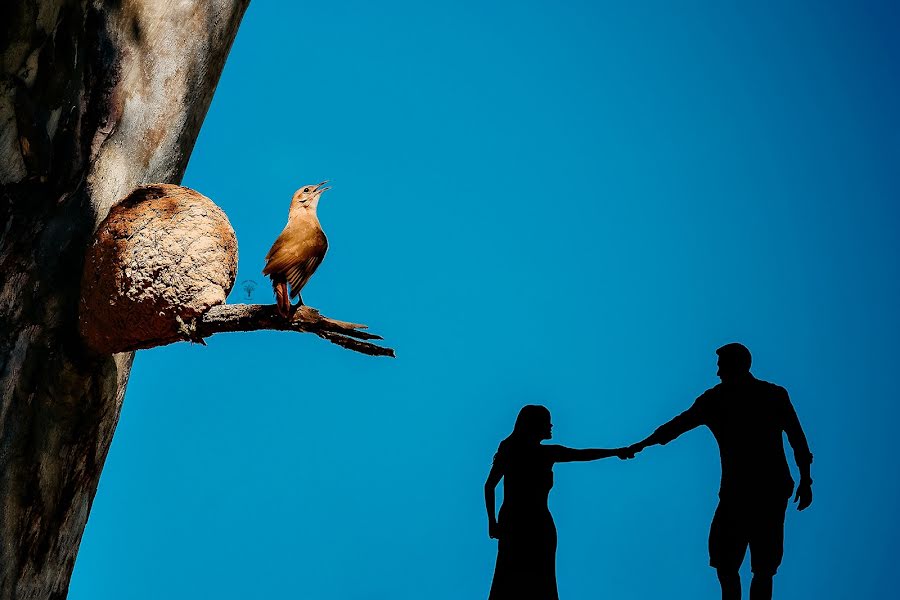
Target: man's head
(734,362)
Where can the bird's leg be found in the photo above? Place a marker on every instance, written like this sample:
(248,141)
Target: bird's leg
(282,298)
(295,307)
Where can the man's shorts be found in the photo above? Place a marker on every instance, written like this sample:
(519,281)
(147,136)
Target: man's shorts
(738,524)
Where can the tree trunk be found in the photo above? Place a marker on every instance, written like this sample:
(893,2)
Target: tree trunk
(96,98)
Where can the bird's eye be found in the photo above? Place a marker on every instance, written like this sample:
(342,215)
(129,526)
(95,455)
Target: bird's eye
(305,190)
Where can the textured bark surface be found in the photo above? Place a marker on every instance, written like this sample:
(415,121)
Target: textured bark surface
(164,255)
(96,98)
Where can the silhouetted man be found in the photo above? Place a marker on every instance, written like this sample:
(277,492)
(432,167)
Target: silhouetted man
(747,416)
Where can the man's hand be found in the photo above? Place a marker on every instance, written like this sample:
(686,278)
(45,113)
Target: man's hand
(494,531)
(803,497)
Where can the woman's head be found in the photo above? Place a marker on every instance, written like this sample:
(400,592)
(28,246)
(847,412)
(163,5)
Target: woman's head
(533,424)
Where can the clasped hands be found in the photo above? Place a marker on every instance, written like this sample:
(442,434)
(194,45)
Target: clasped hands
(629,452)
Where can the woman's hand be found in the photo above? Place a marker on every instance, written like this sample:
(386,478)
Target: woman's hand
(494,530)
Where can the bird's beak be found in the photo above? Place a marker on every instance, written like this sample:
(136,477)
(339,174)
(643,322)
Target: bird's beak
(319,189)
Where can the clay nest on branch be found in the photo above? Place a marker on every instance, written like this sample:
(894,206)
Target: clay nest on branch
(159,270)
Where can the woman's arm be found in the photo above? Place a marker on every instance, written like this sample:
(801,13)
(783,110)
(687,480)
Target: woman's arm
(564,454)
(489,501)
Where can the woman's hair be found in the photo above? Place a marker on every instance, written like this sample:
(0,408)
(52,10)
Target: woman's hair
(530,427)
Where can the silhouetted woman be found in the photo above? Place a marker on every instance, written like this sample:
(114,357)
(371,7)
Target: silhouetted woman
(526,552)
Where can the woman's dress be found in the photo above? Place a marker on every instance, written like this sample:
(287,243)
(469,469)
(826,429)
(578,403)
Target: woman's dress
(526,550)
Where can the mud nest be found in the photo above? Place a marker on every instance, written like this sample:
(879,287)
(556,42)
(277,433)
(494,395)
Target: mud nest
(164,255)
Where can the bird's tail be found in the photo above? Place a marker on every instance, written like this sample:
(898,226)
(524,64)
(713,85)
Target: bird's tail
(279,284)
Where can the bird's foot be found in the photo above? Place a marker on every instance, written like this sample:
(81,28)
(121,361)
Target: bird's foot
(295,307)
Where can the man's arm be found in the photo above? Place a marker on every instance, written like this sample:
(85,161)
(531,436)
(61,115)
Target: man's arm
(802,456)
(665,433)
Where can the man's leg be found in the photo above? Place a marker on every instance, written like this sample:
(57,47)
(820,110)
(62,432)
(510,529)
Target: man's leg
(727,546)
(761,587)
(766,546)
(730,580)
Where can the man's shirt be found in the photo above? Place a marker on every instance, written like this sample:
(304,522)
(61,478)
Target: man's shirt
(747,419)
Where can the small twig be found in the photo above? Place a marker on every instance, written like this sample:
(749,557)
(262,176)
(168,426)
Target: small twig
(254,317)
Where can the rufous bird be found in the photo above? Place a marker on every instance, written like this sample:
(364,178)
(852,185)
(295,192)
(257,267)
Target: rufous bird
(299,249)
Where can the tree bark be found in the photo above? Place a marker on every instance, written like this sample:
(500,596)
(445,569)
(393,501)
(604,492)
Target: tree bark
(96,98)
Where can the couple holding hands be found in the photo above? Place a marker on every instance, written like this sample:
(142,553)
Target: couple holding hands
(746,416)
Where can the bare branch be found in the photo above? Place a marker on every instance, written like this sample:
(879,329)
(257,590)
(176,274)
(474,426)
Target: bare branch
(254,317)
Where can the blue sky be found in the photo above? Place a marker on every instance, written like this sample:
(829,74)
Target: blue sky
(571,205)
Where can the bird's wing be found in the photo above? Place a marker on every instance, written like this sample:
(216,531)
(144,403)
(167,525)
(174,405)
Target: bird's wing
(314,252)
(290,248)
(296,255)
(300,273)
(278,255)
